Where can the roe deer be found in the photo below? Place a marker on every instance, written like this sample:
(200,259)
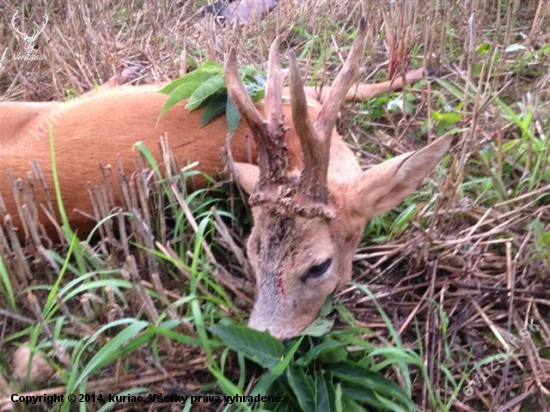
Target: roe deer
(310,199)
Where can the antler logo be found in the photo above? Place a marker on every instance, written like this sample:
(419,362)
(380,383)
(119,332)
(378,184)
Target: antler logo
(29,40)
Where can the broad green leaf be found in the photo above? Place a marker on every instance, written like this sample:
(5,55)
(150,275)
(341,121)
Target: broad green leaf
(360,376)
(214,108)
(302,387)
(280,388)
(322,401)
(233,116)
(210,87)
(360,394)
(483,49)
(259,347)
(322,350)
(327,307)
(334,393)
(199,75)
(178,95)
(255,92)
(319,328)
(349,405)
(182,88)
(269,378)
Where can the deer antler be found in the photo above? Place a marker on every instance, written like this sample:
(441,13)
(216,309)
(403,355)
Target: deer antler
(269,135)
(25,35)
(313,178)
(37,32)
(13,20)
(315,138)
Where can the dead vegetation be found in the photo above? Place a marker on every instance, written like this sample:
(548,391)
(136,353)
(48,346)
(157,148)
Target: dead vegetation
(467,268)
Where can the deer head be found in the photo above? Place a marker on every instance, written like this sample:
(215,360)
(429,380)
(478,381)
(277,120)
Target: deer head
(307,229)
(29,40)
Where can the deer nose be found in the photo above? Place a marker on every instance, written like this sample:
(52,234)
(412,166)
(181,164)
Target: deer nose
(267,315)
(263,325)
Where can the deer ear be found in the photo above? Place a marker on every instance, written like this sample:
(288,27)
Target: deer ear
(383,187)
(246,175)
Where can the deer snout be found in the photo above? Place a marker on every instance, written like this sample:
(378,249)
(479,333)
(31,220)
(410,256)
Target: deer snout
(278,329)
(281,324)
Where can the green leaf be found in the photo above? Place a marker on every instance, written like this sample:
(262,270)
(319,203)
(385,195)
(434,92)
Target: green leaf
(7,290)
(483,49)
(144,150)
(182,88)
(319,328)
(405,217)
(391,406)
(280,388)
(327,307)
(322,350)
(349,405)
(214,108)
(322,402)
(232,115)
(338,407)
(300,384)
(259,347)
(111,349)
(178,95)
(228,387)
(334,393)
(210,87)
(269,378)
(367,379)
(201,74)
(360,394)
(255,91)
(396,355)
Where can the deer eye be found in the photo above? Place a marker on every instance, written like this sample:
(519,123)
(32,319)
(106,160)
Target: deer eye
(318,270)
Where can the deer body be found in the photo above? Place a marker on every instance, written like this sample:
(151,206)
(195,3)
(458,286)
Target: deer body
(102,128)
(310,199)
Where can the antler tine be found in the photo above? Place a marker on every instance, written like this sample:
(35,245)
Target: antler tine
(275,118)
(269,135)
(38,31)
(13,20)
(274,87)
(237,93)
(345,79)
(46,18)
(315,148)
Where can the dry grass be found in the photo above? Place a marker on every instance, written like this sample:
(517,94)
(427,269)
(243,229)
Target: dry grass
(471,252)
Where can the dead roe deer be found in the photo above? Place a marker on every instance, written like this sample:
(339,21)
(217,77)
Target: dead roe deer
(310,199)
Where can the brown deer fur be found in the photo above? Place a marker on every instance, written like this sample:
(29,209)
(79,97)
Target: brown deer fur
(306,230)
